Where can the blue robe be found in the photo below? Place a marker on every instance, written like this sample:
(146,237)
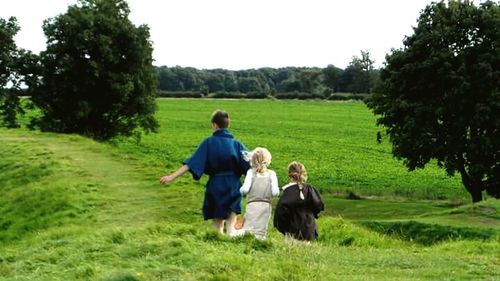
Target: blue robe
(220,157)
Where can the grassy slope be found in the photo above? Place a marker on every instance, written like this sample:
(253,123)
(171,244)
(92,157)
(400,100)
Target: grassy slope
(101,215)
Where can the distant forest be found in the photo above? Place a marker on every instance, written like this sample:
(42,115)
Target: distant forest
(355,81)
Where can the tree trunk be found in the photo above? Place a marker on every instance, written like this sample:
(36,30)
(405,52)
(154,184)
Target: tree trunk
(475,188)
(476,193)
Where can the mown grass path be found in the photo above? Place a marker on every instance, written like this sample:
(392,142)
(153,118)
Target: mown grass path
(127,198)
(128,191)
(123,196)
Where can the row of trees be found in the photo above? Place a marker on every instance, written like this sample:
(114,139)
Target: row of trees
(358,77)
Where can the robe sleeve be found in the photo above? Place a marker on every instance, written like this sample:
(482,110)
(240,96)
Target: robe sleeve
(315,203)
(244,164)
(198,160)
(281,219)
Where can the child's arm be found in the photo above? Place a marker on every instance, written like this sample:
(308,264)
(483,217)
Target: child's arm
(170,178)
(274,184)
(245,188)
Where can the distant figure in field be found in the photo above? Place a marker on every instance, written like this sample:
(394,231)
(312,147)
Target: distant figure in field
(299,206)
(260,185)
(221,158)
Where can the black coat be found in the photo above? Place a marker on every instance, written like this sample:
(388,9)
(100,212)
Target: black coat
(296,216)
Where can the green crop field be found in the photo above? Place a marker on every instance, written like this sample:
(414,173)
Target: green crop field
(335,140)
(75,209)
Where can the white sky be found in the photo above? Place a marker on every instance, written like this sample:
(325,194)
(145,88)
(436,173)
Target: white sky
(242,34)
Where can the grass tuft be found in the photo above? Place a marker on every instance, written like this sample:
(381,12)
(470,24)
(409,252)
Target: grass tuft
(339,232)
(122,276)
(117,236)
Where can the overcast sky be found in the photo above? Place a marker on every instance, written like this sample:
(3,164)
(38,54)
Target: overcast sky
(242,34)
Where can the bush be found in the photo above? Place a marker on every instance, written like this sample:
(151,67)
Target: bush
(347,96)
(256,95)
(286,95)
(183,94)
(227,95)
(262,95)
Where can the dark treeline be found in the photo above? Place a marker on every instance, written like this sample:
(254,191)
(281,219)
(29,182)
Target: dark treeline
(289,82)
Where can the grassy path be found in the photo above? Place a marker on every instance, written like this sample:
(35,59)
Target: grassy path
(127,196)
(124,198)
(125,192)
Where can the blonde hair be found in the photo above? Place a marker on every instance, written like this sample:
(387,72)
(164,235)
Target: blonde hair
(298,174)
(260,158)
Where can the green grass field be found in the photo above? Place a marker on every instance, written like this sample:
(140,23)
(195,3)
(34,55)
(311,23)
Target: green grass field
(75,209)
(335,140)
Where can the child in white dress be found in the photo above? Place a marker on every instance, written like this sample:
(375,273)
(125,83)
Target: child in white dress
(260,185)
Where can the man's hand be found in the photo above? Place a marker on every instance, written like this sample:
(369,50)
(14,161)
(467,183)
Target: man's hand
(170,178)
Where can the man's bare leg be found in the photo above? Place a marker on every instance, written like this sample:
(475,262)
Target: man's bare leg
(230,222)
(218,225)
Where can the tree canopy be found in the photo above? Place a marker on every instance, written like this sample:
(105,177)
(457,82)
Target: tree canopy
(97,77)
(9,74)
(439,96)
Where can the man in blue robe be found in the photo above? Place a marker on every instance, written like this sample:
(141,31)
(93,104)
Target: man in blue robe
(221,158)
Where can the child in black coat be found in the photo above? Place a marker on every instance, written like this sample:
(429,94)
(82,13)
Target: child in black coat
(299,206)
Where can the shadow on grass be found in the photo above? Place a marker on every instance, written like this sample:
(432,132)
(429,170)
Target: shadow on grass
(428,234)
(252,244)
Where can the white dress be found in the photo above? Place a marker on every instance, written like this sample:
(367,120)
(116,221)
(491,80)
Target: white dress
(260,188)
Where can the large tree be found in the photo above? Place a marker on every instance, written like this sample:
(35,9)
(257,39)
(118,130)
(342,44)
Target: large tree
(439,96)
(332,77)
(97,75)
(357,77)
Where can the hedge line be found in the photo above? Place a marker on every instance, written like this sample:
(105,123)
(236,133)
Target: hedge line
(256,95)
